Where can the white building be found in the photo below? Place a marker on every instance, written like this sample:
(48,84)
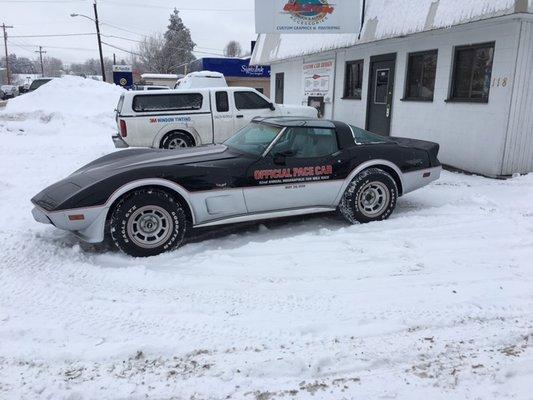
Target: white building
(458,72)
(160,79)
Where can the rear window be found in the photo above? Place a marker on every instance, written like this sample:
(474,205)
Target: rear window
(167,102)
(365,137)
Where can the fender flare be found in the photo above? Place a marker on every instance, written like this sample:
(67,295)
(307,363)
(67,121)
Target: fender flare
(95,232)
(368,164)
(176,128)
(151,182)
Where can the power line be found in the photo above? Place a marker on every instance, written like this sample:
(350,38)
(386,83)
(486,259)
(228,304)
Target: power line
(53,35)
(112,3)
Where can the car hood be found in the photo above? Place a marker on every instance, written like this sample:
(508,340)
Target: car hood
(139,158)
(118,168)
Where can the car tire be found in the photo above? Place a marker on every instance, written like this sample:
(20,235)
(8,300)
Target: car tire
(177,140)
(148,222)
(370,196)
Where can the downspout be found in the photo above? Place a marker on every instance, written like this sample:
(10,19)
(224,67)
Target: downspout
(363,11)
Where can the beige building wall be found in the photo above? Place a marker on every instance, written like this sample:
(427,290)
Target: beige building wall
(262,84)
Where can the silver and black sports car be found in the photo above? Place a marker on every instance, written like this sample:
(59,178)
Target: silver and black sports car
(146,200)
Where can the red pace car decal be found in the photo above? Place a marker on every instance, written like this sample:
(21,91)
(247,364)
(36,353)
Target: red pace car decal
(296,174)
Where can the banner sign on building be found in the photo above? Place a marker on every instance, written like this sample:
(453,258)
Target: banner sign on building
(319,79)
(123,75)
(307,16)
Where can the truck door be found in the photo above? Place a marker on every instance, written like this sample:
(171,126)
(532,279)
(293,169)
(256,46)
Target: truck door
(249,105)
(223,116)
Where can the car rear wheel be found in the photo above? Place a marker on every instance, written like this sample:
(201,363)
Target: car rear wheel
(148,222)
(177,140)
(371,196)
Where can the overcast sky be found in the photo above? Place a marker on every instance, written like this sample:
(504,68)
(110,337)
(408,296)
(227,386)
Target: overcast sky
(211,27)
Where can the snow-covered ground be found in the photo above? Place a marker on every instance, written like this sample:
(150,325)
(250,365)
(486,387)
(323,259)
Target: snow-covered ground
(435,303)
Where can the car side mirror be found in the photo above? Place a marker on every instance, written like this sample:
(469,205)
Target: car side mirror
(281,157)
(272,107)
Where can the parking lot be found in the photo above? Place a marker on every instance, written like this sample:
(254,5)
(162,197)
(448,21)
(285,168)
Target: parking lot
(434,303)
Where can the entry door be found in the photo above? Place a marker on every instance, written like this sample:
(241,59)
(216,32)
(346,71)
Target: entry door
(380,94)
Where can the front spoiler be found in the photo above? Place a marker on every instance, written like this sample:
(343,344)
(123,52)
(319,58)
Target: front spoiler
(119,142)
(90,229)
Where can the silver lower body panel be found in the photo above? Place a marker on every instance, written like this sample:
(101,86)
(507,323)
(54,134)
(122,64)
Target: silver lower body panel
(412,181)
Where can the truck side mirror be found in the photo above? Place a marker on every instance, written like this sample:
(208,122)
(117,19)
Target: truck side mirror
(272,107)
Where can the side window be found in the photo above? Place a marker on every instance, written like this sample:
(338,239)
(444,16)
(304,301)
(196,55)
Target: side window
(472,72)
(421,71)
(353,80)
(307,143)
(167,102)
(222,101)
(250,101)
(280,87)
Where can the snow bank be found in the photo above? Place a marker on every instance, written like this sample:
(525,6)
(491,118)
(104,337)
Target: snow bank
(68,96)
(81,107)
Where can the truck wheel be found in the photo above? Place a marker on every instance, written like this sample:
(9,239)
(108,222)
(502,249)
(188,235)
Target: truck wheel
(371,196)
(177,140)
(148,222)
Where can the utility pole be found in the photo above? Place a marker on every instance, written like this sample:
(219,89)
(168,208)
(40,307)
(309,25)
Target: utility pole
(41,52)
(114,59)
(8,72)
(99,40)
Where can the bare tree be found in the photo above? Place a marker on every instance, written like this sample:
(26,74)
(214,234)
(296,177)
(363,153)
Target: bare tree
(52,66)
(150,58)
(233,49)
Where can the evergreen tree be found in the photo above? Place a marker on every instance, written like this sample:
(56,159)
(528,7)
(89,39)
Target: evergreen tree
(178,44)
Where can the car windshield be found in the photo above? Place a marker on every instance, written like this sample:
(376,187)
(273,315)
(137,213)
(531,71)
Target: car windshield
(365,137)
(253,138)
(38,83)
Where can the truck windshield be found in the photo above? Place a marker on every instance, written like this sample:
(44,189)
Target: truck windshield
(37,83)
(253,138)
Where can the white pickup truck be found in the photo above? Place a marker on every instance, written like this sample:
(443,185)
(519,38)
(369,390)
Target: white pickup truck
(170,119)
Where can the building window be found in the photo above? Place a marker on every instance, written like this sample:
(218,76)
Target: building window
(472,73)
(280,88)
(421,71)
(353,80)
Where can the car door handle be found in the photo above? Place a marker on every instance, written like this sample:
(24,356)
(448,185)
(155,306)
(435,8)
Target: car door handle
(240,116)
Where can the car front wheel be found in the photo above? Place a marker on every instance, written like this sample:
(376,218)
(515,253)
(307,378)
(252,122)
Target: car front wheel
(148,222)
(371,196)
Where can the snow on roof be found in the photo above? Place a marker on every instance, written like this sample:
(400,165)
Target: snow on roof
(384,19)
(159,76)
(205,74)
